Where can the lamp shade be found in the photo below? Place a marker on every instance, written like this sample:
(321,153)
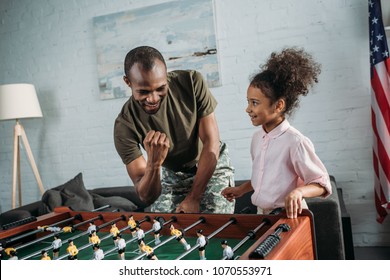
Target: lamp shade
(19,101)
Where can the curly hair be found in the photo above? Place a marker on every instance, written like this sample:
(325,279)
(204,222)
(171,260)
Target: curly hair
(287,75)
(144,55)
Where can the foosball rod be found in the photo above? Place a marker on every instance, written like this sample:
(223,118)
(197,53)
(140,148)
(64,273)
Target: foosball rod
(76,217)
(48,236)
(11,240)
(173,219)
(251,235)
(231,221)
(201,220)
(54,233)
(122,217)
(147,218)
(61,231)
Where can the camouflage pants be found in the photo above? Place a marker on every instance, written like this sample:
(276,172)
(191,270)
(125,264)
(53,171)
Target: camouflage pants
(176,185)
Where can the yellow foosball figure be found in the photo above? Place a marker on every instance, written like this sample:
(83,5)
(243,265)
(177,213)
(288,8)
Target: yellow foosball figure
(94,238)
(179,237)
(45,256)
(132,224)
(148,250)
(72,250)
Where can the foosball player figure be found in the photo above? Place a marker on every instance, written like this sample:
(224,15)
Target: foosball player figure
(68,229)
(140,234)
(227,250)
(94,238)
(179,237)
(57,243)
(114,232)
(72,250)
(11,252)
(132,224)
(98,253)
(45,256)
(121,243)
(1,252)
(148,251)
(202,242)
(48,228)
(156,230)
(92,227)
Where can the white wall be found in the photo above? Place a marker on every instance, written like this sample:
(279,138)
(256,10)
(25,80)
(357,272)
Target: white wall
(50,43)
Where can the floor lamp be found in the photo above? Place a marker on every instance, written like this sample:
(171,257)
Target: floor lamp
(19,101)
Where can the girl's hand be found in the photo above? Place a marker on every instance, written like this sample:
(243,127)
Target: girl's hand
(293,203)
(231,193)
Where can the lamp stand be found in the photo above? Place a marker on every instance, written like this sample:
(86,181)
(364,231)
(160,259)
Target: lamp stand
(16,179)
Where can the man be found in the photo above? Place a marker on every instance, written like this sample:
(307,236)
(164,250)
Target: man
(171,115)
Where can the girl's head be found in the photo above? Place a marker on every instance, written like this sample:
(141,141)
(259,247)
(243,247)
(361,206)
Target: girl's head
(274,92)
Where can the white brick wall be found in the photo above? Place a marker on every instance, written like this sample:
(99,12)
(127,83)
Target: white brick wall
(50,43)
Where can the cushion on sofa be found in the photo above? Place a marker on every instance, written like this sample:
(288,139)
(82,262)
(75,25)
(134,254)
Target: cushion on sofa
(73,194)
(115,203)
(127,192)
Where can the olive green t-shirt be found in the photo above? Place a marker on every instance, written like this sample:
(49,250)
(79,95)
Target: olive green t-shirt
(188,100)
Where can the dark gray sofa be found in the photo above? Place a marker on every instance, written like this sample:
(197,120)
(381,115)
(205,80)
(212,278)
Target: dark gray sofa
(332,222)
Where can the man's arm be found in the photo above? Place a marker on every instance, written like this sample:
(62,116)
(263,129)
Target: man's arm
(146,174)
(209,134)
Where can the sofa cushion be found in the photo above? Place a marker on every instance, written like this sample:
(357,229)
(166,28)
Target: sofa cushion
(73,194)
(115,202)
(127,192)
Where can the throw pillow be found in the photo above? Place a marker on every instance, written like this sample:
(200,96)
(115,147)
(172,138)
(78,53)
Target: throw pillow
(72,194)
(52,199)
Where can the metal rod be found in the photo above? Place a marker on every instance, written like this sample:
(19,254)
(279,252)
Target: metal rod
(173,219)
(76,217)
(201,220)
(39,230)
(86,232)
(251,234)
(54,233)
(231,221)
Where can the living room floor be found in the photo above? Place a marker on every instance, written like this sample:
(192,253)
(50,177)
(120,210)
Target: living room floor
(372,253)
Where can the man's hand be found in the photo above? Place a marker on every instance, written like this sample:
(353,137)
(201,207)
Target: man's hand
(157,146)
(146,173)
(188,205)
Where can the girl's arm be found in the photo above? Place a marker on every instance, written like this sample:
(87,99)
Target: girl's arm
(293,201)
(231,193)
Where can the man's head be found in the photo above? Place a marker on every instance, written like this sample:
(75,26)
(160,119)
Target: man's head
(146,75)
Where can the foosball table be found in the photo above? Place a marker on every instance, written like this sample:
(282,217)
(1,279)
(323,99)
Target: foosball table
(250,236)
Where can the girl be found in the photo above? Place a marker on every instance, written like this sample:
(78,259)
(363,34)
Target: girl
(285,168)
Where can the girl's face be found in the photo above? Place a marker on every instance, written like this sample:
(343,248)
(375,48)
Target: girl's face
(262,111)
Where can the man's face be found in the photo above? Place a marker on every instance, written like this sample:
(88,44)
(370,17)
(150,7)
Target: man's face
(149,87)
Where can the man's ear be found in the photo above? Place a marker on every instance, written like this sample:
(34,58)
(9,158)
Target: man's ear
(127,81)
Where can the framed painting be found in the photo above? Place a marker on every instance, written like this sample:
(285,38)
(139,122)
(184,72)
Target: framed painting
(183,31)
